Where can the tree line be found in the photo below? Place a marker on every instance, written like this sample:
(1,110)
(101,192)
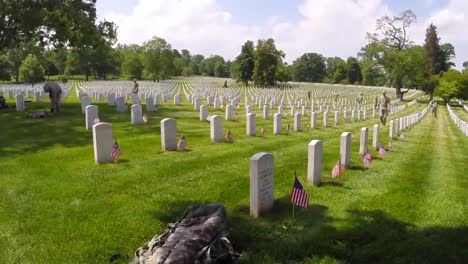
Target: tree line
(67,40)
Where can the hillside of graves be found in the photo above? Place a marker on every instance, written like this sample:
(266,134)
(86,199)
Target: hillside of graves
(64,201)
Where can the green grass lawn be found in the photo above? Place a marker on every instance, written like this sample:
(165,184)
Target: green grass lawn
(57,206)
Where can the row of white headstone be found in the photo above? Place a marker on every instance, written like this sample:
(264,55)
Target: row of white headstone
(461,124)
(262,164)
(21,92)
(103,139)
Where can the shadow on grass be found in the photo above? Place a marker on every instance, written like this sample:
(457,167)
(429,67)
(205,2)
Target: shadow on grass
(362,236)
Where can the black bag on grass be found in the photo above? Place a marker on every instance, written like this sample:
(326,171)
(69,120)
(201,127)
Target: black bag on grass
(198,237)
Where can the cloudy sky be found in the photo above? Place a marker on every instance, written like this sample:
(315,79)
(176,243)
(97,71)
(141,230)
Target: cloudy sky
(329,27)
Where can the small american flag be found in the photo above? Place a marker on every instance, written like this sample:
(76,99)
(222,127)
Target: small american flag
(97,120)
(382,152)
(262,131)
(182,144)
(116,151)
(288,129)
(229,136)
(298,196)
(145,118)
(367,159)
(336,171)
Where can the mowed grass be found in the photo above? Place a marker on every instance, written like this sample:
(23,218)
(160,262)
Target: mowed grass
(57,206)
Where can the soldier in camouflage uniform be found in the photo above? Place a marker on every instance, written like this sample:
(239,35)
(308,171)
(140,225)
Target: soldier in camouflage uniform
(135,87)
(383,104)
(55,93)
(360,100)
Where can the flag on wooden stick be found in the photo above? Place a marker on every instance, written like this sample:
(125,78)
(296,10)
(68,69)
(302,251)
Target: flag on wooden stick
(337,169)
(262,131)
(229,136)
(298,196)
(382,152)
(182,144)
(145,118)
(116,151)
(367,159)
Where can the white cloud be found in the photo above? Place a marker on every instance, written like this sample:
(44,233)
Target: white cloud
(332,27)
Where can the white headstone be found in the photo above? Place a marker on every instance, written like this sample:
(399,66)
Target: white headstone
(345,149)
(325,119)
(229,109)
(150,104)
(20,103)
(120,104)
(363,141)
(37,97)
(314,165)
(85,101)
(157,100)
(313,120)
(168,134)
(261,183)
(203,113)
(277,124)
(137,114)
(177,99)
(266,112)
(92,112)
(196,104)
(216,126)
(103,143)
(111,99)
(135,99)
(297,122)
(375,138)
(249,109)
(391,128)
(337,118)
(251,125)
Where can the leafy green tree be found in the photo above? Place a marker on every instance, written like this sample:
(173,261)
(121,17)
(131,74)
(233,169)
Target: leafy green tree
(465,66)
(284,73)
(195,64)
(452,84)
(267,59)
(132,66)
(244,63)
(448,90)
(385,47)
(331,63)
(52,22)
(341,72)
(208,65)
(448,51)
(152,57)
(354,74)
(310,67)
(221,70)
(31,70)
(435,57)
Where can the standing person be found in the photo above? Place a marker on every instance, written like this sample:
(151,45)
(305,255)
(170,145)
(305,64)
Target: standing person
(360,100)
(383,104)
(335,99)
(55,93)
(434,108)
(135,87)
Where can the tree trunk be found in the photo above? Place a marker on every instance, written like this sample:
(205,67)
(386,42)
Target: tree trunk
(398,85)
